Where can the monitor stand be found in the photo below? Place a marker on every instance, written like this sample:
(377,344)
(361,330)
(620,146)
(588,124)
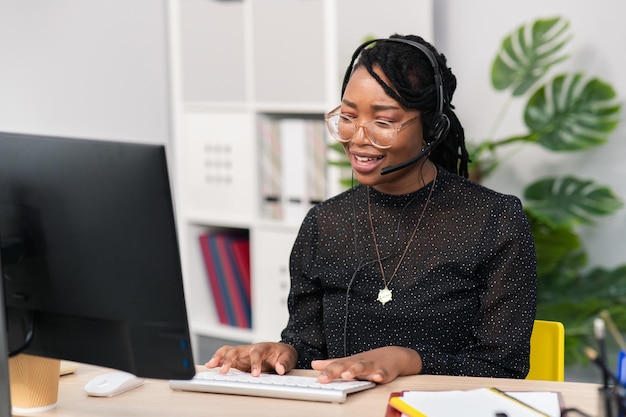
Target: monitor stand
(5,384)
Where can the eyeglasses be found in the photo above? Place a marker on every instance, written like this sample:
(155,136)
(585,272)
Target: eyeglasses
(381,133)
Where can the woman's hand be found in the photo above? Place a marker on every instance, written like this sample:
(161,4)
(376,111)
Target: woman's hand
(380,365)
(255,358)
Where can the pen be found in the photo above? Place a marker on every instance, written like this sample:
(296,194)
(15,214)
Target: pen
(598,330)
(504,394)
(593,357)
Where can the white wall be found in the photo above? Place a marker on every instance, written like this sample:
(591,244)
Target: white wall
(99,69)
(469,33)
(96,69)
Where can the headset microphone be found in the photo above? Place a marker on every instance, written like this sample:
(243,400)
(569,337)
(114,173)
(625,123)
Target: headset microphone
(423,153)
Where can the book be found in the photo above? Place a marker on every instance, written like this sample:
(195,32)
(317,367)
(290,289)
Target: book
(293,159)
(231,291)
(227,261)
(211,270)
(316,161)
(237,276)
(474,403)
(270,187)
(241,250)
(222,296)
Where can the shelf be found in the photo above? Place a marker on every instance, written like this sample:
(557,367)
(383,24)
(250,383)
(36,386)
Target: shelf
(243,70)
(225,332)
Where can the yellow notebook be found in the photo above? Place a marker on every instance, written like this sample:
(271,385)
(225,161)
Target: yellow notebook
(405,408)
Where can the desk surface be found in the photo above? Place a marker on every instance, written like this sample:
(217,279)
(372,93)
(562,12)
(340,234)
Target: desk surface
(156,399)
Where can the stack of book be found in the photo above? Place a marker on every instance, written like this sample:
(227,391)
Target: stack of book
(227,261)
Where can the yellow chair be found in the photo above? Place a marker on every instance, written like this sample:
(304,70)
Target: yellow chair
(547,356)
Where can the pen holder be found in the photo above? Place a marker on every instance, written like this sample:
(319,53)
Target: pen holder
(621,377)
(611,401)
(621,367)
(606,404)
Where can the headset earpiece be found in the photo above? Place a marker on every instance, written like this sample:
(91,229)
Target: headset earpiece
(440,128)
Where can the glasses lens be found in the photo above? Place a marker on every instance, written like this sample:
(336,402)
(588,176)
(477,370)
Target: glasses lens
(380,133)
(341,127)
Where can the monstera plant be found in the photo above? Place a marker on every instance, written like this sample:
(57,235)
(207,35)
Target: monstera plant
(566,113)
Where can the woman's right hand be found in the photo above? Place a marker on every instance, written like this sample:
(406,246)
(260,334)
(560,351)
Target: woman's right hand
(255,358)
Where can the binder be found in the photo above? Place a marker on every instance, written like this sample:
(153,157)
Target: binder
(293,169)
(222,297)
(238,295)
(269,169)
(227,261)
(241,250)
(212,277)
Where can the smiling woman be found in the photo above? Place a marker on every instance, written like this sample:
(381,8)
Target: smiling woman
(416,269)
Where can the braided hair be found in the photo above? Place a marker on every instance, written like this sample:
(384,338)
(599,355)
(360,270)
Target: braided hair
(412,85)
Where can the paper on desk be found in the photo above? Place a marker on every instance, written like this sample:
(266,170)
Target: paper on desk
(479,402)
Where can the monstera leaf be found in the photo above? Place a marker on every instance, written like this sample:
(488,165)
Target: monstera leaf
(528,53)
(553,246)
(569,201)
(577,302)
(570,113)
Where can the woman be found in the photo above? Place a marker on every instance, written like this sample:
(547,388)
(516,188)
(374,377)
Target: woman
(415,269)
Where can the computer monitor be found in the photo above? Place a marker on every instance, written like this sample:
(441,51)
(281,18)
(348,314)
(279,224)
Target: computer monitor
(90,257)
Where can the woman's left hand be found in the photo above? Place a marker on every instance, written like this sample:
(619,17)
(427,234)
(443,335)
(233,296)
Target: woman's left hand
(379,365)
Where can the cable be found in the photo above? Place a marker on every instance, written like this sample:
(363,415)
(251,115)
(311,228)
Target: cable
(28,338)
(362,261)
(567,411)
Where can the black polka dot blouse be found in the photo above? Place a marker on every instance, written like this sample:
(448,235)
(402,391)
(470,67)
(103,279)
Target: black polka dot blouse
(463,296)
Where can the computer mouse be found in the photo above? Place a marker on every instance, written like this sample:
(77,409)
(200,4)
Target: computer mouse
(112,383)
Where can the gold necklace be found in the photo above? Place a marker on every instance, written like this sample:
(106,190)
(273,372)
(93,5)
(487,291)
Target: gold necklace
(384,294)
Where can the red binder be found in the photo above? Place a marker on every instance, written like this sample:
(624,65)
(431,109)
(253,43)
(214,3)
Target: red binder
(235,298)
(212,276)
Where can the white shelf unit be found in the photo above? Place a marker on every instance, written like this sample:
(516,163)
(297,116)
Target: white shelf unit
(234,64)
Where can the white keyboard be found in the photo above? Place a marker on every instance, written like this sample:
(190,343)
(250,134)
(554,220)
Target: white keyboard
(270,385)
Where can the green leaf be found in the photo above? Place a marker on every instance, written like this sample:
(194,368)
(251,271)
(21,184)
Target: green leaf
(568,201)
(528,53)
(570,113)
(338,148)
(606,284)
(582,301)
(554,246)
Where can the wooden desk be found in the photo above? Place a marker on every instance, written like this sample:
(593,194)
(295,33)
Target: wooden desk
(156,399)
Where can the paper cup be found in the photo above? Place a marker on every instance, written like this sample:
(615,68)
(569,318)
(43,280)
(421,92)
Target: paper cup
(34,383)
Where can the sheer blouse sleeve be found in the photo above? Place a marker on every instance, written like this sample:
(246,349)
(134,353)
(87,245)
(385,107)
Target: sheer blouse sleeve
(507,293)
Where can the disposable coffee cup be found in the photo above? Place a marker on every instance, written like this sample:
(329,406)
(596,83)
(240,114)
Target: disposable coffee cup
(34,384)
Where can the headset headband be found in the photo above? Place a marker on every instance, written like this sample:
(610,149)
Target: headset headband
(424,49)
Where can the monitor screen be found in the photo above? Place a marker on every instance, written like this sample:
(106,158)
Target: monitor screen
(90,257)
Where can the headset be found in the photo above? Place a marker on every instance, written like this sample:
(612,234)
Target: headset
(441,122)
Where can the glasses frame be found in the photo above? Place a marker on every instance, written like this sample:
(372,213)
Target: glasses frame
(396,127)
